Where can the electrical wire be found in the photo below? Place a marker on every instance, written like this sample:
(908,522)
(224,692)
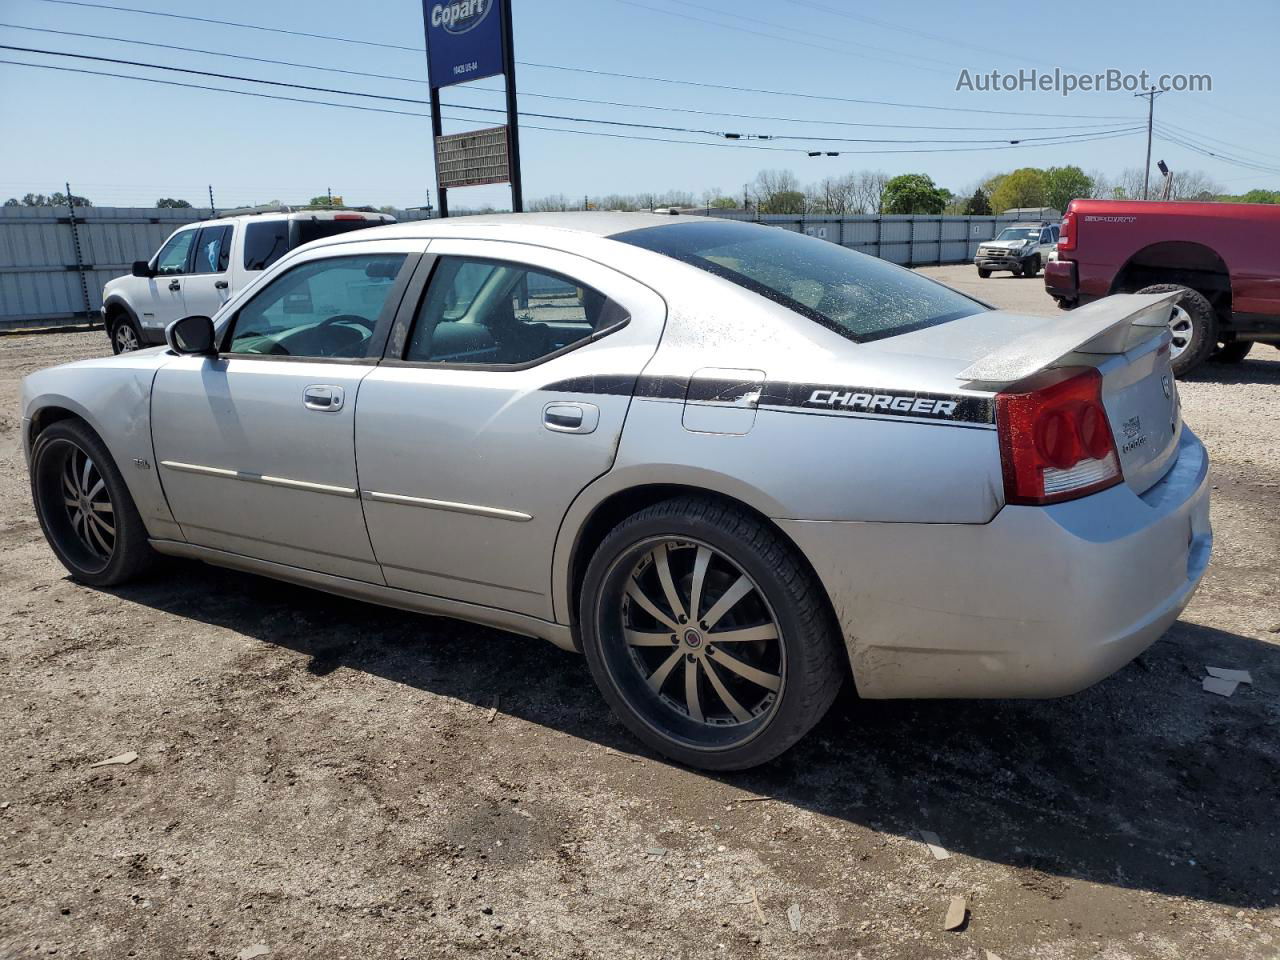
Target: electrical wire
(1170,137)
(468,88)
(603,73)
(541,116)
(733,145)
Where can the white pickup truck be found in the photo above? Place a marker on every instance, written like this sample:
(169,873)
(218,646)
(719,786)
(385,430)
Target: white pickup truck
(200,265)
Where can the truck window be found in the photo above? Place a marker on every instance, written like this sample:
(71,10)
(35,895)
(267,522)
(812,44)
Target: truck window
(265,243)
(213,250)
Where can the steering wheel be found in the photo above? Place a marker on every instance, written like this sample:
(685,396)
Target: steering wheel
(348,318)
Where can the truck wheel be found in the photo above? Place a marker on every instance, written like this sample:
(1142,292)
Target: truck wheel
(125,337)
(1031,267)
(1016,269)
(1232,352)
(1193,325)
(708,635)
(984,273)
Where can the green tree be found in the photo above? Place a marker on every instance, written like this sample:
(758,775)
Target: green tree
(723,203)
(784,201)
(1258,196)
(62,200)
(913,193)
(13,202)
(169,203)
(324,200)
(979,205)
(1021,188)
(1064,184)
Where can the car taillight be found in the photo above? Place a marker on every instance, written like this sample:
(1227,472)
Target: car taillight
(1067,232)
(1055,441)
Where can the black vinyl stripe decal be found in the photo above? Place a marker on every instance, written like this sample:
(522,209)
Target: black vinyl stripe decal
(916,405)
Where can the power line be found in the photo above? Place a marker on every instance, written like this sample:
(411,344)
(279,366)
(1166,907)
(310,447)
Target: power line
(1169,137)
(543,116)
(602,73)
(541,96)
(734,145)
(770,36)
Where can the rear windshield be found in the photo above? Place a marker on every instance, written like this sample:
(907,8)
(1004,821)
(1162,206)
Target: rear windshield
(308,230)
(859,297)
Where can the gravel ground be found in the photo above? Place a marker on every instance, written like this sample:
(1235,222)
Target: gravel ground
(330,779)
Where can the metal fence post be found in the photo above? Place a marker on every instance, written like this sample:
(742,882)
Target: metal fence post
(75,243)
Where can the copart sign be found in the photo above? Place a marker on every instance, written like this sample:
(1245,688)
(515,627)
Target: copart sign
(464,39)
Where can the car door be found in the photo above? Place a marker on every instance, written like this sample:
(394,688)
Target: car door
(207,287)
(255,445)
(164,301)
(503,394)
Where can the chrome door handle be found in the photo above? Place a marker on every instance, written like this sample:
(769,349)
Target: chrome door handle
(323,397)
(571,417)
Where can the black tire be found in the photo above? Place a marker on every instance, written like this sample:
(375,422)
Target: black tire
(1233,352)
(984,273)
(125,335)
(1031,267)
(1016,270)
(805,648)
(103,545)
(1191,347)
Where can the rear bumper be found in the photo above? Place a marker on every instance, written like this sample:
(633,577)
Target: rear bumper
(1040,602)
(1060,280)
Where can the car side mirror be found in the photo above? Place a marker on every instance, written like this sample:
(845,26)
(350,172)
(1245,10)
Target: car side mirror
(191,335)
(141,268)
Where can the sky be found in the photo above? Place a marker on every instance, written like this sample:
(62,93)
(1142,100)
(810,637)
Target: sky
(124,142)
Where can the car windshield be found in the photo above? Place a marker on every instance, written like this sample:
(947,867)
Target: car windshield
(1019,233)
(859,297)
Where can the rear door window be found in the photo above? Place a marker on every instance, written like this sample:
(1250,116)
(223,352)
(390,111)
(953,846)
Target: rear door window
(213,250)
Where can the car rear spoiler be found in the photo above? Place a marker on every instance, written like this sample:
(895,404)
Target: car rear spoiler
(1114,324)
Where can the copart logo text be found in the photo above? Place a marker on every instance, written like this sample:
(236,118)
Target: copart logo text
(460,17)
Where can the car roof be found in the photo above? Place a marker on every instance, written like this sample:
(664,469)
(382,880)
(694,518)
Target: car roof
(516,225)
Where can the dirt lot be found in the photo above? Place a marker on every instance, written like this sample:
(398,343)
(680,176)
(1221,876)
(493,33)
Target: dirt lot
(328,779)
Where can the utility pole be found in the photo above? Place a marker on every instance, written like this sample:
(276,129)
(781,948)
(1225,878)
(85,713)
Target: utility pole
(329,190)
(1151,109)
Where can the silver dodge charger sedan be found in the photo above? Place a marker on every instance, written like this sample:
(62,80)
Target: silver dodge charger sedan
(730,464)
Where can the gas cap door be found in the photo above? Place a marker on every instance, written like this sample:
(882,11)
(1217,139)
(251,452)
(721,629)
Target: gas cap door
(722,400)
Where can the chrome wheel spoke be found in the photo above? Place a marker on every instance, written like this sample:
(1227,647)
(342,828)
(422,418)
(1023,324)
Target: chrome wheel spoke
(739,712)
(766,631)
(767,680)
(662,563)
(691,689)
(102,524)
(642,638)
(740,589)
(649,607)
(84,476)
(700,563)
(97,536)
(97,489)
(659,676)
(103,507)
(69,483)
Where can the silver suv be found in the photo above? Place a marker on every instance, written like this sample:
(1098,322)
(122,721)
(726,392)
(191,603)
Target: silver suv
(1022,249)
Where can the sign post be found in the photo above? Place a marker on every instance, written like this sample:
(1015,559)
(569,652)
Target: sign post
(470,40)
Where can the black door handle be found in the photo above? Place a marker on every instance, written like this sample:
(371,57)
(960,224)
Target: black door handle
(174,285)
(220,285)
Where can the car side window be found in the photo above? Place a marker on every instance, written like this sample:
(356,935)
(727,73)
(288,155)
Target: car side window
(497,312)
(213,250)
(265,243)
(1055,233)
(323,309)
(1046,235)
(176,254)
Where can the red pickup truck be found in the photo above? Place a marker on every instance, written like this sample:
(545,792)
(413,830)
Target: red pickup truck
(1225,257)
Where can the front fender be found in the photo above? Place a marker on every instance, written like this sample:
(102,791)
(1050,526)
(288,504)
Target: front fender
(113,397)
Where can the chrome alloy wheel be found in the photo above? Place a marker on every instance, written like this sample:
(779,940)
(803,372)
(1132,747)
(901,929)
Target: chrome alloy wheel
(695,647)
(126,339)
(87,505)
(1182,327)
